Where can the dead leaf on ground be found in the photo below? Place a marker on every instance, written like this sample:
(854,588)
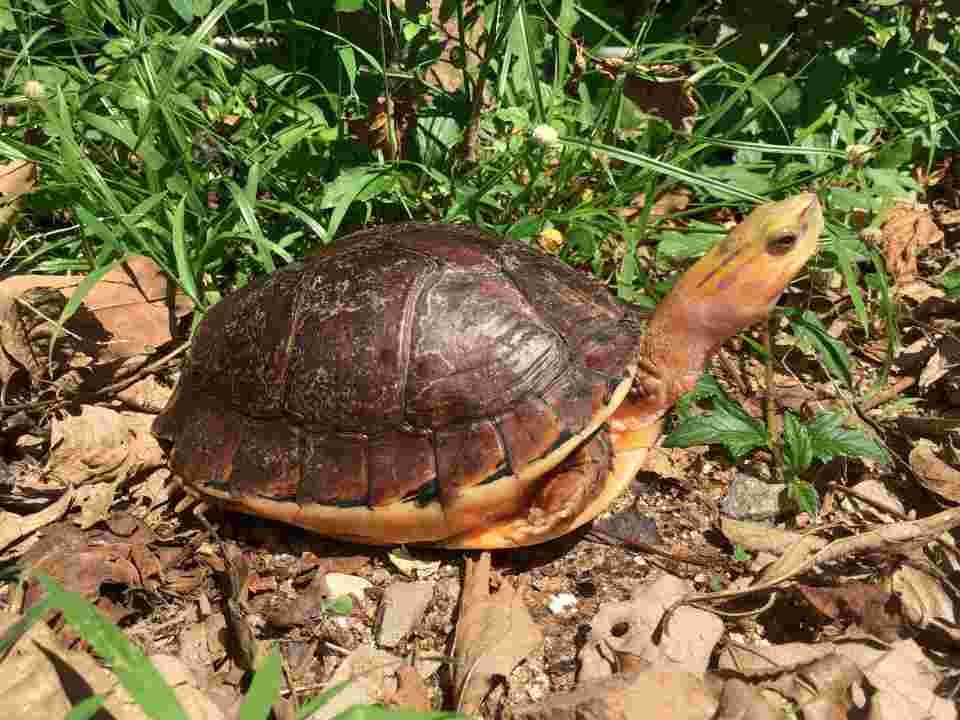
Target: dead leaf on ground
(905,233)
(650,695)
(922,596)
(98,450)
(370,675)
(933,473)
(755,537)
(82,561)
(13,527)
(16,179)
(624,635)
(871,607)
(901,678)
(494,634)
(124,315)
(411,693)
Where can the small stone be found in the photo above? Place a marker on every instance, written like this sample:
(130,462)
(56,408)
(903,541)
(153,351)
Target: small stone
(339,584)
(401,610)
(561,603)
(751,498)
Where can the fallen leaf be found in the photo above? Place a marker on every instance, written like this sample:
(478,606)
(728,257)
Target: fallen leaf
(922,596)
(96,451)
(494,634)
(13,527)
(873,608)
(759,537)
(651,695)
(370,678)
(906,231)
(411,565)
(411,693)
(933,473)
(43,679)
(624,635)
(125,314)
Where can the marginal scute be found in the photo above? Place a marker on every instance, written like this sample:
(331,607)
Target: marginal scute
(399,464)
(267,460)
(206,441)
(530,430)
(334,471)
(468,455)
(575,396)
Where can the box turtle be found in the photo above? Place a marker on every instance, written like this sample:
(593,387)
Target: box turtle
(436,383)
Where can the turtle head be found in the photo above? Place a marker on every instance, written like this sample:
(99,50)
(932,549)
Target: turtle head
(732,287)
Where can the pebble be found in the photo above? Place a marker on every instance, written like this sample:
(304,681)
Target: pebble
(561,603)
(401,610)
(339,584)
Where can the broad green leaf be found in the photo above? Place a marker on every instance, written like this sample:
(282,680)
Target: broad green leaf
(728,425)
(829,439)
(182,253)
(797,445)
(86,708)
(687,244)
(183,8)
(264,689)
(342,605)
(805,495)
(151,156)
(832,353)
(128,662)
(348,5)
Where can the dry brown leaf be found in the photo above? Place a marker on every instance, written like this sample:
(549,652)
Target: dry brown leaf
(742,701)
(82,561)
(494,634)
(34,683)
(372,679)
(623,635)
(905,232)
(652,695)
(900,668)
(922,596)
(758,537)
(16,179)
(933,473)
(124,315)
(670,96)
(13,527)
(411,693)
(935,369)
(873,608)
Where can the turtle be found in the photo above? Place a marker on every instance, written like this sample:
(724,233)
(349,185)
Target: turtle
(440,384)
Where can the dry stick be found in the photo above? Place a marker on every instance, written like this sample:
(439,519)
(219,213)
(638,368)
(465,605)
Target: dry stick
(901,537)
(122,384)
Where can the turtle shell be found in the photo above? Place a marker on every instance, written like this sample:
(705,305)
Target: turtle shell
(404,364)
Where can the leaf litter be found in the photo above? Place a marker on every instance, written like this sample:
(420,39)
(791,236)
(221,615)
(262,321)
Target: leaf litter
(680,612)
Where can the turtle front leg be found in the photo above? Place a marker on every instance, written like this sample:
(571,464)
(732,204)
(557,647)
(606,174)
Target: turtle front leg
(555,507)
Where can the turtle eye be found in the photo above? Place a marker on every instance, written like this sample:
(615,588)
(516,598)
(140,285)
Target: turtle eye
(782,243)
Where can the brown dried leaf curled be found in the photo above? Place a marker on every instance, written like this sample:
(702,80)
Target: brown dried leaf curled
(494,634)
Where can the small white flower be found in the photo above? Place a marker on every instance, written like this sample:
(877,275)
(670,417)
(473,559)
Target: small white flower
(545,135)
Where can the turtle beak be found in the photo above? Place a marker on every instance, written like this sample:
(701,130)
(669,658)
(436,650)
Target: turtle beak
(741,278)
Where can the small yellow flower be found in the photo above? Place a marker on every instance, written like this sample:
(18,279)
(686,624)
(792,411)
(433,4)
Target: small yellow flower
(545,135)
(551,240)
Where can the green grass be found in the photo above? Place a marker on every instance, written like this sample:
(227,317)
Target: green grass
(153,139)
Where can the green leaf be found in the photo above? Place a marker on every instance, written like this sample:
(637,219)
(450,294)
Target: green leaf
(798,446)
(264,689)
(805,495)
(135,671)
(342,605)
(86,708)
(7,22)
(832,353)
(728,425)
(830,439)
(348,5)
(687,244)
(183,8)
(951,283)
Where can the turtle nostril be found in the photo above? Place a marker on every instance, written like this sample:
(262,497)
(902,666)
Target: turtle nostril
(620,629)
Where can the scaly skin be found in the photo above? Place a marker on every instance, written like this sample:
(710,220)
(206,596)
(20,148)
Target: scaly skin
(732,287)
